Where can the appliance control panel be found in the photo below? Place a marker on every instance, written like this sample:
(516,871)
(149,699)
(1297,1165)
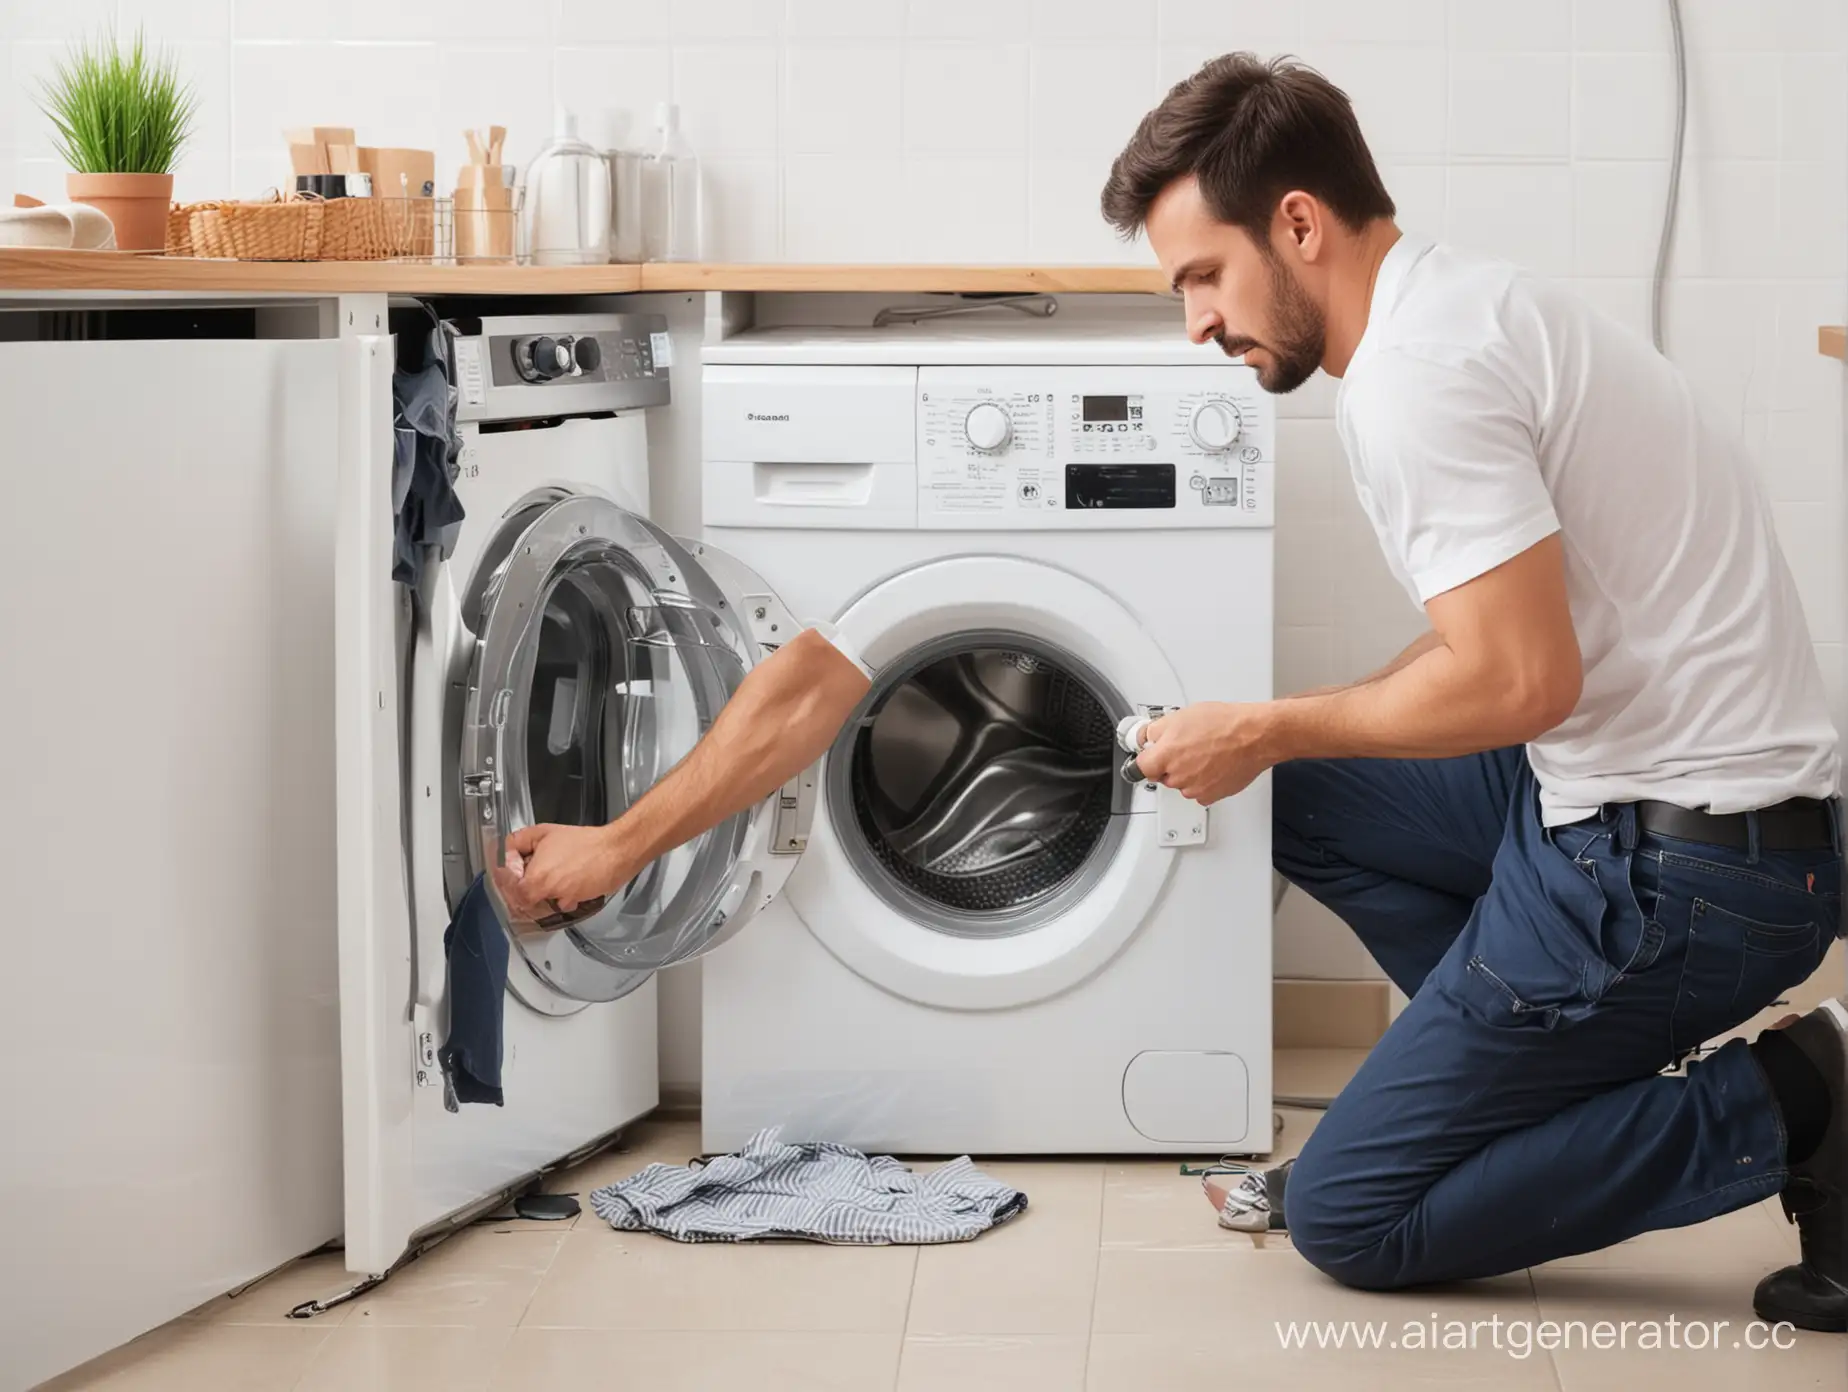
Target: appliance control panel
(1071,447)
(528,367)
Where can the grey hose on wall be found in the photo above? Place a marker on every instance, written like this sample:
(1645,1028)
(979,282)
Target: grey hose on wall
(1666,246)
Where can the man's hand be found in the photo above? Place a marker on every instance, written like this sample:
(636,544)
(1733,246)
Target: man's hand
(563,866)
(1209,751)
(783,717)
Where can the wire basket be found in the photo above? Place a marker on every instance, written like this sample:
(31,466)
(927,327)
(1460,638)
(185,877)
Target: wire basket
(302,227)
(417,229)
(488,226)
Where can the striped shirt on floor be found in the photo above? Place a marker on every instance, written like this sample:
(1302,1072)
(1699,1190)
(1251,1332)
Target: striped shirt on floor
(820,1193)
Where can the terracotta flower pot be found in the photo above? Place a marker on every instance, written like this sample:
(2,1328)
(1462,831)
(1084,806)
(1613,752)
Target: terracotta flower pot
(136,203)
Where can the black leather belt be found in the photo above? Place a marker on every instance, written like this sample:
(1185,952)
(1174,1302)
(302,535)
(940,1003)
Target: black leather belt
(1801,824)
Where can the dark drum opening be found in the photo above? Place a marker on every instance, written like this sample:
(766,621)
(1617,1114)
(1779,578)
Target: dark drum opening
(982,784)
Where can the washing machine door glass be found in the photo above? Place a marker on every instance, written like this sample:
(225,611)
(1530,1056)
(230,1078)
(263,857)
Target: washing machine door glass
(603,653)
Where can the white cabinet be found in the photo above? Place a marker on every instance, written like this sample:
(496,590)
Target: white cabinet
(171,1086)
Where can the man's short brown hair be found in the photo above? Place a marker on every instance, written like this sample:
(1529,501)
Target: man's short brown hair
(1250,132)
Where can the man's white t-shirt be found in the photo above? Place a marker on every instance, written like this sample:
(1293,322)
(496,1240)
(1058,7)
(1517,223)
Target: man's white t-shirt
(1485,410)
(842,645)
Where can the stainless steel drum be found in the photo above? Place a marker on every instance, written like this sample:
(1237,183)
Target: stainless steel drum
(977,791)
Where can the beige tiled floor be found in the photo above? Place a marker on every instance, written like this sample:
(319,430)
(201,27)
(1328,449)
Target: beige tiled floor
(1116,1278)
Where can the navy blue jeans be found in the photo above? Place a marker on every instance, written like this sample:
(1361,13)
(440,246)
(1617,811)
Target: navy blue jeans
(1518,1110)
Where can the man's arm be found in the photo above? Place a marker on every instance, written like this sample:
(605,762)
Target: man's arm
(1411,654)
(784,716)
(1501,667)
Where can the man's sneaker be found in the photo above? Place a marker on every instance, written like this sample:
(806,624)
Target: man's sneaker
(1814,1293)
(1255,1203)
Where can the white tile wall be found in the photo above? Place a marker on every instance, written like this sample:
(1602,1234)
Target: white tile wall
(982,129)
(965,98)
(1511,105)
(1511,26)
(1250,24)
(836,19)
(840,99)
(995,21)
(1401,93)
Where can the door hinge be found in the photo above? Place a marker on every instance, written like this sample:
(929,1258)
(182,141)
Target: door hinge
(794,815)
(771,623)
(424,1065)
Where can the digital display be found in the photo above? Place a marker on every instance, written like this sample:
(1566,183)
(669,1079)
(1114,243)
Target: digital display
(1119,486)
(1106,408)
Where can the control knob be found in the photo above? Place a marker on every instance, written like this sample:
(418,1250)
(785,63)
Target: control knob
(1215,426)
(988,426)
(541,359)
(588,353)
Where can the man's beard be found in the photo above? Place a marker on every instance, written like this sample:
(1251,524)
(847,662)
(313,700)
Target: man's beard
(1301,334)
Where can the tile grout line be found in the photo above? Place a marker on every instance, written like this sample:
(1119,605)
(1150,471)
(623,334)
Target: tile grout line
(320,1349)
(904,1324)
(1097,1269)
(1533,1288)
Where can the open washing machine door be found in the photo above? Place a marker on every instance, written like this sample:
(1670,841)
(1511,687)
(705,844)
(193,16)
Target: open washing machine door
(603,649)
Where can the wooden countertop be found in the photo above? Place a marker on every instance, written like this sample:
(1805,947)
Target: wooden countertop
(1832,341)
(92,271)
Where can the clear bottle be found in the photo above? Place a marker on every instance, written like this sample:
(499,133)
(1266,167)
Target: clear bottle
(673,225)
(567,200)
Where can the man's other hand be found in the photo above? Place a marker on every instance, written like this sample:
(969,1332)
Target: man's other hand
(1208,751)
(562,867)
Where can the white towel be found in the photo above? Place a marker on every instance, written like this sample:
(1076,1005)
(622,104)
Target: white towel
(57,226)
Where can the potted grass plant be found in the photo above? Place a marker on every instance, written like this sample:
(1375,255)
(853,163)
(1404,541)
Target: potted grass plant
(122,114)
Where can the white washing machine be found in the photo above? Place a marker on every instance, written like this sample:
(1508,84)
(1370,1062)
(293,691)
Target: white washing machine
(565,655)
(992,942)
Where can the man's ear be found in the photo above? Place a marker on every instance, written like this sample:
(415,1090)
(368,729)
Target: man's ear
(1300,224)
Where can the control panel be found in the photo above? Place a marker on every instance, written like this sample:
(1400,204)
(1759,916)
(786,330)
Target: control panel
(1142,446)
(532,366)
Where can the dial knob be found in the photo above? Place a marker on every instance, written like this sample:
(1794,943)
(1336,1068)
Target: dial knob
(987,426)
(541,359)
(588,352)
(1215,425)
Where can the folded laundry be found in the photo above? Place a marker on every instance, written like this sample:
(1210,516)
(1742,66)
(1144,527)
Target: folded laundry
(820,1193)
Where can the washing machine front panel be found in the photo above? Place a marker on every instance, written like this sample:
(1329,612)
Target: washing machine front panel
(603,652)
